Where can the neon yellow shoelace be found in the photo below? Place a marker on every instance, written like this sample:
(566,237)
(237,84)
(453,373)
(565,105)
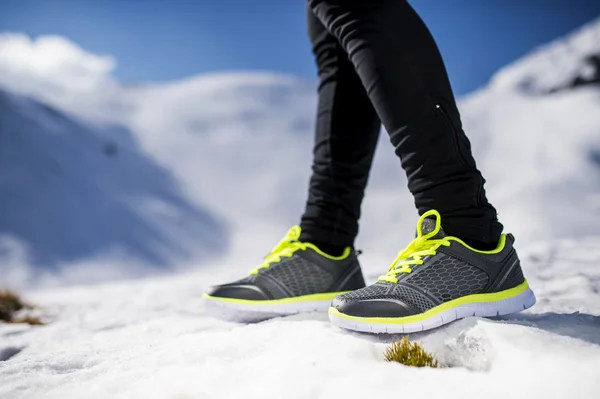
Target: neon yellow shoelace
(285,248)
(418,248)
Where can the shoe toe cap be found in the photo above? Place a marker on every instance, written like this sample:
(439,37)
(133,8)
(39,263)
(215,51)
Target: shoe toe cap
(238,291)
(372,307)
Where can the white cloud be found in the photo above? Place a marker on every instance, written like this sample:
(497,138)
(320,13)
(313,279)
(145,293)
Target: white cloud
(51,66)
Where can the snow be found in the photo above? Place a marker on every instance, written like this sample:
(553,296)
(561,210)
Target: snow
(152,340)
(65,198)
(228,154)
(210,172)
(554,65)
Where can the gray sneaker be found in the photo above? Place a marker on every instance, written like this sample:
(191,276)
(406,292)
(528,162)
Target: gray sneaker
(437,279)
(295,277)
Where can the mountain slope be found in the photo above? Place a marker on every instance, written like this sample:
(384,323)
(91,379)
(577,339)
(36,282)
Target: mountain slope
(541,138)
(77,198)
(537,148)
(239,144)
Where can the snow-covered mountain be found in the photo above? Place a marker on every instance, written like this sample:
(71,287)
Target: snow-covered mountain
(101,181)
(74,193)
(225,158)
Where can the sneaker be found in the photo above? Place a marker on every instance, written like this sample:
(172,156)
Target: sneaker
(295,277)
(437,279)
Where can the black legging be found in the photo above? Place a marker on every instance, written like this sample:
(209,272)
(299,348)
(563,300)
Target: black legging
(377,61)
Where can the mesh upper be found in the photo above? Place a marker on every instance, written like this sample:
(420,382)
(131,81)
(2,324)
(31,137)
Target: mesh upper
(449,278)
(413,298)
(299,275)
(446,278)
(375,291)
(399,292)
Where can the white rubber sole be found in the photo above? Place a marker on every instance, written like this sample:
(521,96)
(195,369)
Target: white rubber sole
(381,325)
(255,311)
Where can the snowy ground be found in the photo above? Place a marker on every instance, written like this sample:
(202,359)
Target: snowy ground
(152,340)
(210,172)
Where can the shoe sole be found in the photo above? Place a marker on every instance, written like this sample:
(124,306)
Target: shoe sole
(248,311)
(510,301)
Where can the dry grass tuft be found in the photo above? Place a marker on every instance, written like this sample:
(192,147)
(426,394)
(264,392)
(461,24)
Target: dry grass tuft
(10,304)
(31,320)
(410,354)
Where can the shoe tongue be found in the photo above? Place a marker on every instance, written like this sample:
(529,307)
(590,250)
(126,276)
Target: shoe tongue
(293,234)
(428,224)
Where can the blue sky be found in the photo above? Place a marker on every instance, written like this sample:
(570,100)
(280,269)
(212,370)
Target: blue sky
(161,40)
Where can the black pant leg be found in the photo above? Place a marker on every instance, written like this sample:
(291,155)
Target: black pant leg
(403,72)
(347,129)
